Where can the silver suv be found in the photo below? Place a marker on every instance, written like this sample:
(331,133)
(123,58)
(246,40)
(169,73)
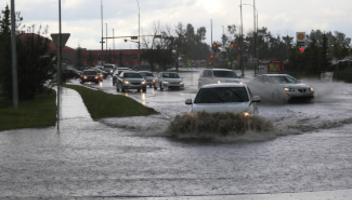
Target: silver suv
(216,76)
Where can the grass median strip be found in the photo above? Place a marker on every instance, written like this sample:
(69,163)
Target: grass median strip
(35,113)
(104,105)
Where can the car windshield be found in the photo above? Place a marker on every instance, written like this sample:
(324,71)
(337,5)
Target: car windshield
(221,95)
(147,74)
(227,74)
(170,75)
(283,79)
(108,67)
(132,75)
(89,73)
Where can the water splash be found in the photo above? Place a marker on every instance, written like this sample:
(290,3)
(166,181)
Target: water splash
(218,125)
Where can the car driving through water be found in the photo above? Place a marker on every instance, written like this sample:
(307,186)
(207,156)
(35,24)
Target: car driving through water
(167,80)
(231,97)
(280,88)
(213,76)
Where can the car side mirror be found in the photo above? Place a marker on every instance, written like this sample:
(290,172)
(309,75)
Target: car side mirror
(256,99)
(188,102)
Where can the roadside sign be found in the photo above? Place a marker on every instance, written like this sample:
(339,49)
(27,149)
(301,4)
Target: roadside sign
(64,38)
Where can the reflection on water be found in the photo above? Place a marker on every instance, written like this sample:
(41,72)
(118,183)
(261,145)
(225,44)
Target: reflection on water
(101,84)
(143,98)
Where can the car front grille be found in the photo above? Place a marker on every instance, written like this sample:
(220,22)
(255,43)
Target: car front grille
(302,90)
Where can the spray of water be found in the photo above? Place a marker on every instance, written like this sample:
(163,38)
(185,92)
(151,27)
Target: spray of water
(215,125)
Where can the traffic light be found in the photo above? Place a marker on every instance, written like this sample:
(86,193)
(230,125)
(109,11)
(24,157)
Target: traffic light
(211,58)
(238,58)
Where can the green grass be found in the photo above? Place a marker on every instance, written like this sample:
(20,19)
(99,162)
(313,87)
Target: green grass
(103,105)
(36,113)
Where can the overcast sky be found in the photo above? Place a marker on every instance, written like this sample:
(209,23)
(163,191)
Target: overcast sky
(82,18)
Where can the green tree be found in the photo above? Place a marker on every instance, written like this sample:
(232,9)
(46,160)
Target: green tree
(79,58)
(33,61)
(90,58)
(121,59)
(324,59)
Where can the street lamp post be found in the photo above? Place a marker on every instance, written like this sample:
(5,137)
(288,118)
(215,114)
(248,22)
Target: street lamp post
(106,47)
(102,35)
(139,33)
(255,34)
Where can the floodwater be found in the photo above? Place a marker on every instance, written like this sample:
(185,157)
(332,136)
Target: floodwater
(307,150)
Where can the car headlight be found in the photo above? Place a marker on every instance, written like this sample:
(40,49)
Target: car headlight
(241,82)
(84,77)
(287,89)
(311,89)
(246,114)
(153,80)
(143,82)
(165,82)
(126,82)
(96,77)
(181,83)
(219,82)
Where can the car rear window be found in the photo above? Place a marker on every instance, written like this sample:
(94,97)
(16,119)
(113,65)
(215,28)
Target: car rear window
(226,74)
(222,95)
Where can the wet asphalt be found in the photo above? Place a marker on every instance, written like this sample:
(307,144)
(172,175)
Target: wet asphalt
(133,158)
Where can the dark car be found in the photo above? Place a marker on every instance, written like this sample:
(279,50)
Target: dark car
(89,76)
(131,80)
(72,73)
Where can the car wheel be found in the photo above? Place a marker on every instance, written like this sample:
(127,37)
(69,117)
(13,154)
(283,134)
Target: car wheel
(161,87)
(155,87)
(150,86)
(144,90)
(117,89)
(113,82)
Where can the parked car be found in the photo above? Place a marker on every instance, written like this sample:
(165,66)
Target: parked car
(116,73)
(149,77)
(89,76)
(167,80)
(224,97)
(213,76)
(280,87)
(109,68)
(131,80)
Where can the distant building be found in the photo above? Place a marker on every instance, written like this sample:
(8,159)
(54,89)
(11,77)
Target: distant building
(129,56)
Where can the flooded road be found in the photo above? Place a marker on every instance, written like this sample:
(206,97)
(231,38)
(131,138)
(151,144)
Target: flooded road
(308,150)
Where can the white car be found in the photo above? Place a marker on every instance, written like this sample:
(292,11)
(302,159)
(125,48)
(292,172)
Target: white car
(167,80)
(231,97)
(280,87)
(213,76)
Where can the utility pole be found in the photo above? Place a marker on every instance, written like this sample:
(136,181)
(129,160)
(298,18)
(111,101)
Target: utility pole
(113,35)
(255,33)
(102,35)
(106,48)
(241,44)
(14,56)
